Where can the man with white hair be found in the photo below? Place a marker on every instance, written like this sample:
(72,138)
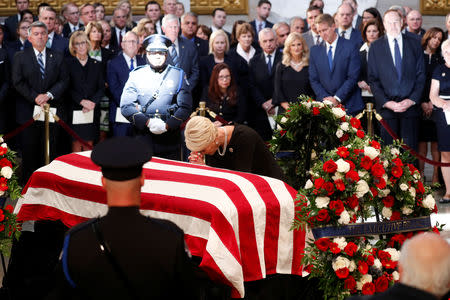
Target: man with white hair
(424,268)
(345,30)
(414,22)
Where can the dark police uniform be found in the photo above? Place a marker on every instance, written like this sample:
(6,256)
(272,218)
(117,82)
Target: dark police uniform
(125,255)
(164,94)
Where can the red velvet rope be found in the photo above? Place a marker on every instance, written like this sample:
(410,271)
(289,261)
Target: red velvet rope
(412,151)
(73,134)
(18,129)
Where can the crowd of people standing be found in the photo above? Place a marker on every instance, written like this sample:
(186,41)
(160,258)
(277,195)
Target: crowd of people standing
(79,62)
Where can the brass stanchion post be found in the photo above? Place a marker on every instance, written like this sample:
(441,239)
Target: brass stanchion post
(47,133)
(202,108)
(369,111)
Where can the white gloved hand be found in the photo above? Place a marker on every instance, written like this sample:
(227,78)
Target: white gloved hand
(157,126)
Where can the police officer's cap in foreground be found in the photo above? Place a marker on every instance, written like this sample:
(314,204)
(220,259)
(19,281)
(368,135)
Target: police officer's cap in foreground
(121,158)
(157,42)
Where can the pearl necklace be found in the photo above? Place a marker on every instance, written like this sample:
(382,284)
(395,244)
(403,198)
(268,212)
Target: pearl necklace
(296,65)
(224,143)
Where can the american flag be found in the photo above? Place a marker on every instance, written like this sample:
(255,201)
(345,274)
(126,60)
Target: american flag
(237,223)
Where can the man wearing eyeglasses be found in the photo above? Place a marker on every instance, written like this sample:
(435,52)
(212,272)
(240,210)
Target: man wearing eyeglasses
(87,13)
(117,74)
(72,15)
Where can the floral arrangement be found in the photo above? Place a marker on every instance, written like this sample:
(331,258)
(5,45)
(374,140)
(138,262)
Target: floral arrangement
(9,228)
(324,126)
(351,178)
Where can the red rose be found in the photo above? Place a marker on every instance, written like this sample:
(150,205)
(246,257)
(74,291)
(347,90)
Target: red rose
(375,144)
(344,137)
(352,176)
(340,186)
(380,182)
(343,152)
(352,202)
(351,248)
(384,256)
(2,217)
(334,248)
(350,283)
(315,111)
(282,132)
(374,191)
(3,150)
(399,238)
(420,189)
(3,183)
(337,206)
(4,162)
(356,123)
(397,171)
(390,264)
(9,208)
(368,288)
(360,134)
(398,162)
(377,170)
(322,244)
(330,166)
(388,201)
(363,268)
(308,268)
(395,216)
(352,164)
(329,187)
(322,216)
(366,162)
(381,284)
(370,260)
(318,182)
(342,273)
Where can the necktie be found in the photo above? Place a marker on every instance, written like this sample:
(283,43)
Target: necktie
(317,39)
(343,34)
(330,57)
(49,43)
(120,39)
(398,60)
(174,55)
(41,65)
(269,63)
(131,65)
(259,27)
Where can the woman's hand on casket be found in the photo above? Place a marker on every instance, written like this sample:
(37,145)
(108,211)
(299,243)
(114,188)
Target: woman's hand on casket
(196,158)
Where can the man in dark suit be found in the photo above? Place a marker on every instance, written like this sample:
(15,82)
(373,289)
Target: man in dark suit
(396,78)
(423,269)
(261,75)
(260,22)
(40,76)
(139,257)
(219,18)
(117,75)
(4,85)
(153,12)
(183,53)
(87,13)
(55,42)
(344,15)
(72,15)
(189,25)
(334,68)
(414,22)
(119,29)
(12,21)
(312,37)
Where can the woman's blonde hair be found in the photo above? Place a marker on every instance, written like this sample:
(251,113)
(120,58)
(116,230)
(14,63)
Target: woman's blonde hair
(199,133)
(75,35)
(140,28)
(214,35)
(292,37)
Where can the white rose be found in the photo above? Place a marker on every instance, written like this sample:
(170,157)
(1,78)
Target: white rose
(362,173)
(385,163)
(364,279)
(2,193)
(320,104)
(309,184)
(368,247)
(337,176)
(339,133)
(403,186)
(283,120)
(386,212)
(412,191)
(395,275)
(338,112)
(342,166)
(429,202)
(406,210)
(340,262)
(395,151)
(322,202)
(6,172)
(377,264)
(308,104)
(313,154)
(328,102)
(352,266)
(279,127)
(416,175)
(344,218)
(1,140)
(371,152)
(385,192)
(385,177)
(340,241)
(361,188)
(395,255)
(344,126)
